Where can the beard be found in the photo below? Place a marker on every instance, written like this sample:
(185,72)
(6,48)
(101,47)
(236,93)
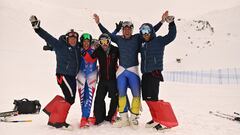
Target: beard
(104,47)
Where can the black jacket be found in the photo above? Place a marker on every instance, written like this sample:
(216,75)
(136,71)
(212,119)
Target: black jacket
(108,63)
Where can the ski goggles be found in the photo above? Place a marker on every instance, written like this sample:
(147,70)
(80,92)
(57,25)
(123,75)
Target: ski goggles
(86,36)
(127,24)
(72,34)
(104,41)
(145,29)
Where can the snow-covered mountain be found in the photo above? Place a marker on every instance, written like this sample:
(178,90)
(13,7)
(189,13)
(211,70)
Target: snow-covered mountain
(210,41)
(207,38)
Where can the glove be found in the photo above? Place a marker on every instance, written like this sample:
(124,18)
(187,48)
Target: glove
(157,74)
(35,22)
(48,47)
(95,43)
(170,19)
(118,26)
(83,53)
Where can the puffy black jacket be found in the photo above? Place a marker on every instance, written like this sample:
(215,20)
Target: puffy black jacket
(108,63)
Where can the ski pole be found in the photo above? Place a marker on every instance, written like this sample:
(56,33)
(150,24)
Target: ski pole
(225,114)
(221,116)
(16,121)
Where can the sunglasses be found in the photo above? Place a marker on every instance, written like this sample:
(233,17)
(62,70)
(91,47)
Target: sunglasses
(145,29)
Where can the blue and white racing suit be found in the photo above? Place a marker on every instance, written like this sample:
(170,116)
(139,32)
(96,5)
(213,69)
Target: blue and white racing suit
(86,81)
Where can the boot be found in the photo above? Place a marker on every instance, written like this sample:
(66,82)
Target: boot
(113,118)
(152,123)
(84,123)
(59,114)
(123,121)
(92,121)
(49,107)
(133,120)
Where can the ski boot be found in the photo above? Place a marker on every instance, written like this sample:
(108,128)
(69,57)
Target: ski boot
(84,123)
(133,120)
(151,124)
(91,121)
(123,121)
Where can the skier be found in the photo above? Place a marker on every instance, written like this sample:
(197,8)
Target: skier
(86,78)
(107,56)
(152,50)
(66,49)
(127,73)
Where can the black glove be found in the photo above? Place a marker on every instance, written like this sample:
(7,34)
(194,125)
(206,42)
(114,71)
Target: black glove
(157,74)
(35,22)
(48,47)
(118,26)
(83,53)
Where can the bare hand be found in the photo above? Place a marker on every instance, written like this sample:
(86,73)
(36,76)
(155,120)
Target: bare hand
(164,16)
(96,18)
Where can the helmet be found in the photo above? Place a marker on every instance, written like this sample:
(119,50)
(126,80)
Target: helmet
(72,33)
(127,24)
(104,39)
(86,36)
(145,29)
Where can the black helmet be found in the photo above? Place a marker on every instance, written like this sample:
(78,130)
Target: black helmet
(104,36)
(72,33)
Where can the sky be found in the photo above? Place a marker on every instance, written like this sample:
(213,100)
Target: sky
(182,8)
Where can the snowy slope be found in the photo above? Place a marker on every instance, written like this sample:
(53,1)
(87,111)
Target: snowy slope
(207,42)
(27,71)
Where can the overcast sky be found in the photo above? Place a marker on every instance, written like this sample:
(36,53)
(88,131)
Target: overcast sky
(181,8)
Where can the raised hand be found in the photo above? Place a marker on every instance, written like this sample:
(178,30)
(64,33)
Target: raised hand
(119,26)
(164,16)
(170,19)
(96,18)
(35,22)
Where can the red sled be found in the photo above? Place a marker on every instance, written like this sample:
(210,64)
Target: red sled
(166,114)
(162,113)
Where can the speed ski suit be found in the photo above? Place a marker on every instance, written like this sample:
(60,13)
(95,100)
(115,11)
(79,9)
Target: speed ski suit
(86,81)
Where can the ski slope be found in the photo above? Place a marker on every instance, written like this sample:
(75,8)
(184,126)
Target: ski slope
(27,71)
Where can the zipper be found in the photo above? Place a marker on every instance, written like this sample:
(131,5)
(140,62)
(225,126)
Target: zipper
(155,61)
(107,68)
(145,53)
(77,59)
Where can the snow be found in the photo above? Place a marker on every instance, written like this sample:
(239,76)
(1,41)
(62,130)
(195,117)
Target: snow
(27,71)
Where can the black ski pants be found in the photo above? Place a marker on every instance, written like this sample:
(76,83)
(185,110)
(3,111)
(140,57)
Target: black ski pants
(103,88)
(68,85)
